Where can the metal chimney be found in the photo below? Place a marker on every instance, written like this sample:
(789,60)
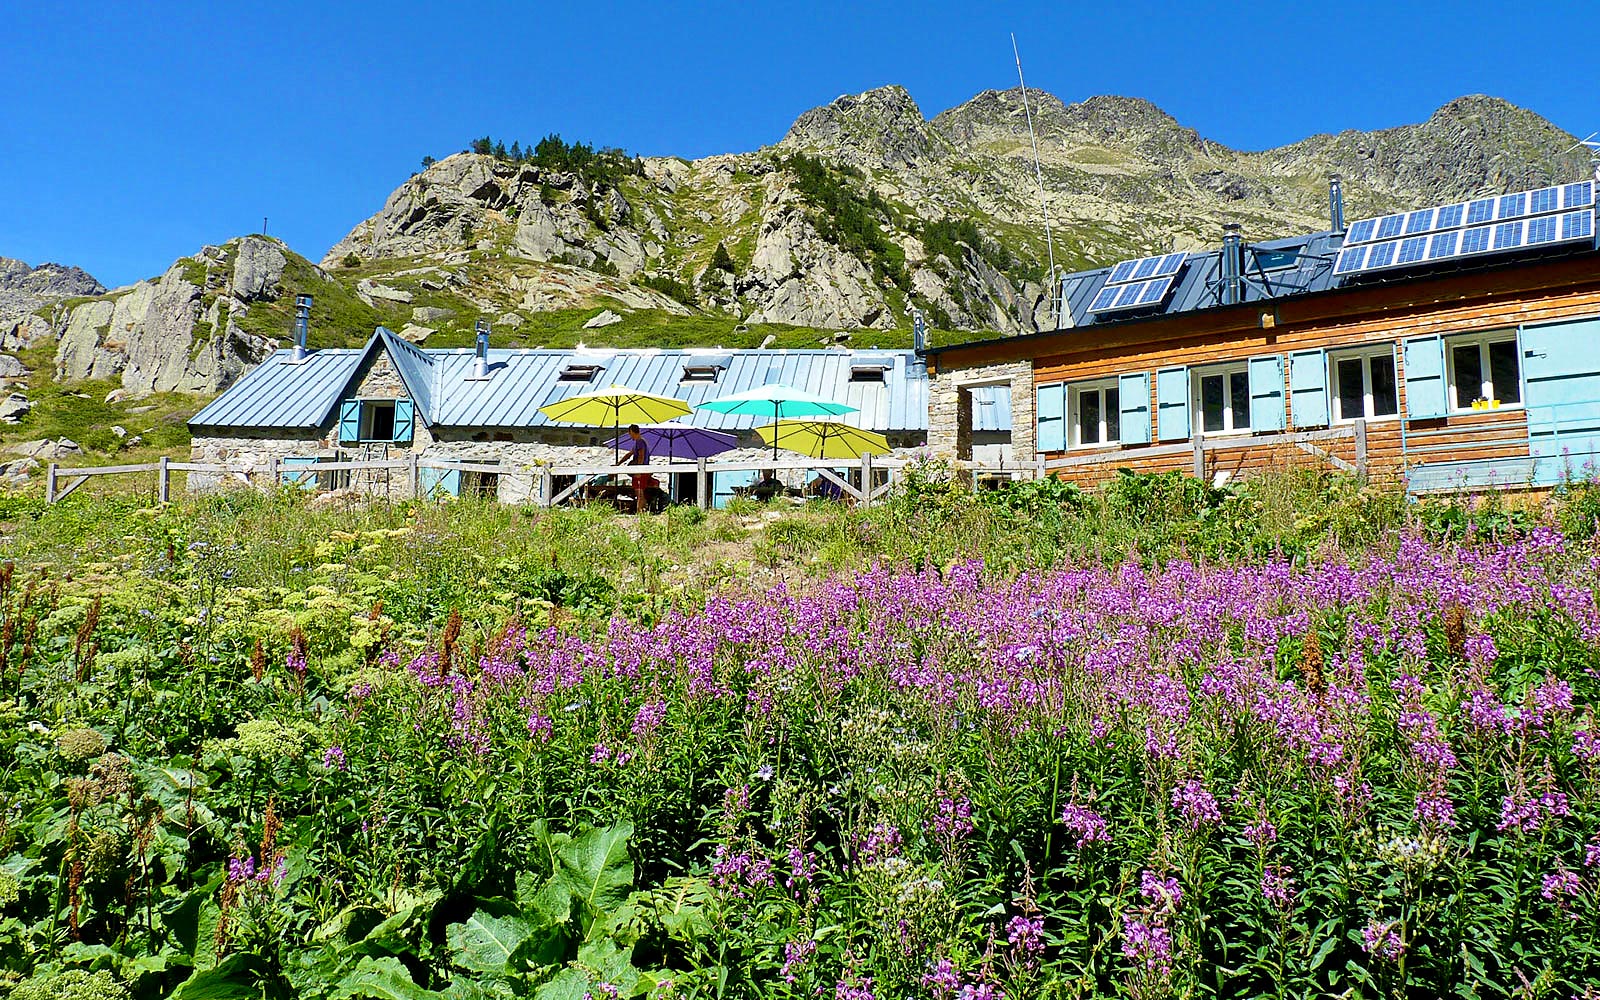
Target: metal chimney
(302,326)
(919,333)
(1232,264)
(1336,203)
(480,363)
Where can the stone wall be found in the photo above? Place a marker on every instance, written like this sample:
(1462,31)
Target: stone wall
(950,408)
(252,451)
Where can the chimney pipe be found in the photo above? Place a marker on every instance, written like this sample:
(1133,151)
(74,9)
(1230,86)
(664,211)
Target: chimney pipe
(480,364)
(1336,203)
(919,333)
(1232,264)
(302,326)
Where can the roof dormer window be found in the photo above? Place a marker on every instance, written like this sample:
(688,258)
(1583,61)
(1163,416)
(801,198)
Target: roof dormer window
(579,373)
(869,373)
(700,373)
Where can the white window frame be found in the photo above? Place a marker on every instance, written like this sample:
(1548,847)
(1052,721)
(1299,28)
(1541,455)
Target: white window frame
(1365,354)
(1075,392)
(1197,415)
(1486,388)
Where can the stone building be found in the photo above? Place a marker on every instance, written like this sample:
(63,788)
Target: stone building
(391,400)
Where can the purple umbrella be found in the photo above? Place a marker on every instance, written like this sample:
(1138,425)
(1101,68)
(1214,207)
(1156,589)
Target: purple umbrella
(676,440)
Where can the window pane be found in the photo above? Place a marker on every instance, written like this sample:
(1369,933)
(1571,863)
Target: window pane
(1113,415)
(1469,374)
(1239,397)
(1503,371)
(1351,403)
(1211,402)
(1385,402)
(1089,417)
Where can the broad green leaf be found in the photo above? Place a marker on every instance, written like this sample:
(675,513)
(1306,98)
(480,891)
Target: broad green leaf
(568,984)
(486,943)
(610,964)
(384,978)
(353,923)
(234,978)
(596,867)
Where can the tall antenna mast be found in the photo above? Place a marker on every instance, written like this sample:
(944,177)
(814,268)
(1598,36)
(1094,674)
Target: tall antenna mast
(1038,172)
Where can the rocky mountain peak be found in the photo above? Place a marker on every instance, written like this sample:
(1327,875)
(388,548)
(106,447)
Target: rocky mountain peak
(878,128)
(24,289)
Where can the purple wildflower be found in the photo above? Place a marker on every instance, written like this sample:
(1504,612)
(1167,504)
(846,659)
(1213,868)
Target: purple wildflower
(1026,936)
(1381,941)
(1197,806)
(333,758)
(1277,887)
(1089,825)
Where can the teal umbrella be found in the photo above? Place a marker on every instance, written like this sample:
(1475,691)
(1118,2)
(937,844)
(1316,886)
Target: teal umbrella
(777,402)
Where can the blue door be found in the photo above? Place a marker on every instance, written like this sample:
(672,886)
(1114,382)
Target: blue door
(1561,378)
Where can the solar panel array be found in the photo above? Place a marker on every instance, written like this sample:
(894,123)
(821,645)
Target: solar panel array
(1136,283)
(1534,218)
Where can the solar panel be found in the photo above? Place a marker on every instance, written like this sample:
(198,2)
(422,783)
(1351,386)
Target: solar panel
(1122,272)
(1444,245)
(1450,216)
(1107,296)
(1508,236)
(1380,255)
(1350,260)
(1145,268)
(1412,249)
(1542,230)
(1134,294)
(1577,225)
(1478,212)
(1475,240)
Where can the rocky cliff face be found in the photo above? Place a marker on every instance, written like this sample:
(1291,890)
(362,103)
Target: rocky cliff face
(26,290)
(188,330)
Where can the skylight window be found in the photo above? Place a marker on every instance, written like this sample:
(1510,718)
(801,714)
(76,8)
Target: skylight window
(700,373)
(869,373)
(579,373)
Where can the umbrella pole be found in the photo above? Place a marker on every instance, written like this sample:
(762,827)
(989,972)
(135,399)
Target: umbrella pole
(776,430)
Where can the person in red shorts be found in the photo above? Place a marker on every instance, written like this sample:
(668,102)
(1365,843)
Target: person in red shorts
(639,454)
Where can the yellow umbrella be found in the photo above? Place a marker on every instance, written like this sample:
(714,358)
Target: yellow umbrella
(616,406)
(823,438)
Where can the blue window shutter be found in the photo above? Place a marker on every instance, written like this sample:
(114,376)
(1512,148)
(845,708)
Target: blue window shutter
(1308,388)
(404,416)
(1133,396)
(350,421)
(1051,416)
(1266,393)
(1172,404)
(294,478)
(1425,389)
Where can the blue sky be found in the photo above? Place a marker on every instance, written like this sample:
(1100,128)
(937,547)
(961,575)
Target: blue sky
(134,134)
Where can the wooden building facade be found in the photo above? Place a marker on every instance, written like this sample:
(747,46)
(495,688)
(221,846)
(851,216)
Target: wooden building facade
(1467,373)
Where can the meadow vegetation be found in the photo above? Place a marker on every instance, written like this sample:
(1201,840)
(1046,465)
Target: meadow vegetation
(1295,738)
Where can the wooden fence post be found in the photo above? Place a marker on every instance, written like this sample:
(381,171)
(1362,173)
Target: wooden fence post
(416,476)
(50,484)
(866,480)
(272,471)
(1199,456)
(1361,449)
(163,482)
(547,491)
(702,485)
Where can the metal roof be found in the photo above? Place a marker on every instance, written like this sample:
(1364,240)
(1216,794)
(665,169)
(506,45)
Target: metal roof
(282,393)
(276,394)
